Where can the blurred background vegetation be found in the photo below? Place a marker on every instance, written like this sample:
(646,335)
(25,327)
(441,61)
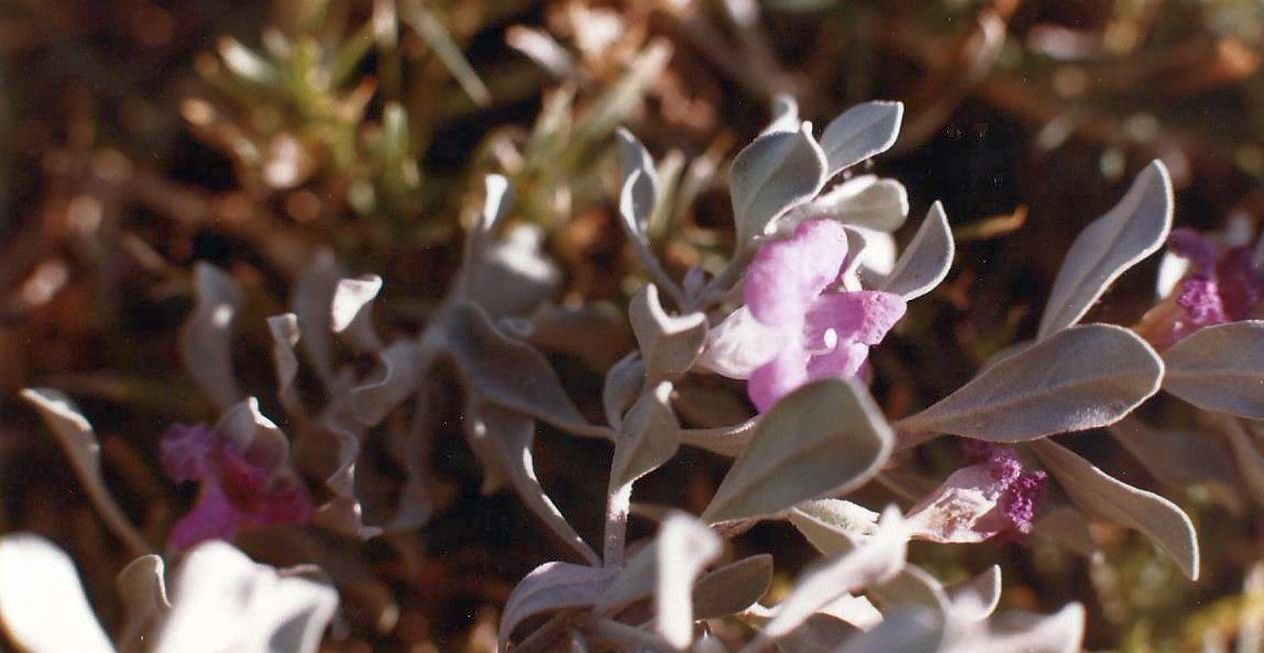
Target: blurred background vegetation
(138,137)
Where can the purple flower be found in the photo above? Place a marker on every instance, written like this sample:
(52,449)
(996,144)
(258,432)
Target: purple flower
(994,495)
(1222,285)
(235,493)
(798,324)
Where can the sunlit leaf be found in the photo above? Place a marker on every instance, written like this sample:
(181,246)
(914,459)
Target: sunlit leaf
(1099,494)
(640,186)
(649,437)
(825,438)
(926,260)
(732,588)
(549,587)
(1079,378)
(42,605)
(142,589)
(861,132)
(1220,368)
(351,312)
(669,344)
(1135,228)
(207,337)
(79,442)
(772,175)
(976,598)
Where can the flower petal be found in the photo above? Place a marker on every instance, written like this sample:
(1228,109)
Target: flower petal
(865,316)
(787,275)
(778,378)
(843,362)
(213,518)
(739,345)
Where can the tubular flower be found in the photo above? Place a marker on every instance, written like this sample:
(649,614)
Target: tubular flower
(235,493)
(798,325)
(994,495)
(1222,285)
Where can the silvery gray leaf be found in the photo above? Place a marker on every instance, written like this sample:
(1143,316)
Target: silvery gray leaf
(684,547)
(285,335)
(1079,378)
(254,434)
(78,441)
(142,589)
(623,384)
(1179,458)
(639,193)
(861,132)
(401,369)
(310,301)
(511,373)
(552,586)
(833,526)
(866,201)
(669,344)
(1135,228)
(42,604)
(223,601)
(827,437)
(926,260)
(785,114)
(728,441)
(821,633)
(1061,632)
(648,438)
(351,312)
(1220,368)
(772,175)
(513,276)
(732,588)
(912,585)
(976,599)
(207,336)
(909,630)
(1099,494)
(877,559)
(502,440)
(498,199)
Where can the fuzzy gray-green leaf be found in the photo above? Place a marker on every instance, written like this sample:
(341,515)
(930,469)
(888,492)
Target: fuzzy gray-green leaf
(1220,368)
(775,173)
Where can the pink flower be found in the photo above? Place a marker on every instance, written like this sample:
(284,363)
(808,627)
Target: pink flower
(798,324)
(236,494)
(1222,286)
(993,496)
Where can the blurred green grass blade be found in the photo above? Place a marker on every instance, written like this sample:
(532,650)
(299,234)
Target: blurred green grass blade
(435,34)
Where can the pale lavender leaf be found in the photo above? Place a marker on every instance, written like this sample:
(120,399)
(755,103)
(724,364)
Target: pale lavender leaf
(43,607)
(927,258)
(772,175)
(623,384)
(728,441)
(685,545)
(877,559)
(1061,632)
(285,335)
(351,312)
(648,438)
(1079,378)
(912,585)
(827,437)
(869,201)
(1220,368)
(514,276)
(821,633)
(909,630)
(207,336)
(502,439)
(1099,494)
(224,601)
(511,373)
(254,435)
(552,586)
(975,599)
(142,589)
(861,132)
(401,369)
(669,344)
(785,114)
(310,301)
(79,443)
(833,526)
(1135,228)
(639,193)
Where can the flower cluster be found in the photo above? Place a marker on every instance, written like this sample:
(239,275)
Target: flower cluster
(993,496)
(799,324)
(235,493)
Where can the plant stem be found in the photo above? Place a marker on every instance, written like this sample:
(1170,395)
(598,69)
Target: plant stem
(617,506)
